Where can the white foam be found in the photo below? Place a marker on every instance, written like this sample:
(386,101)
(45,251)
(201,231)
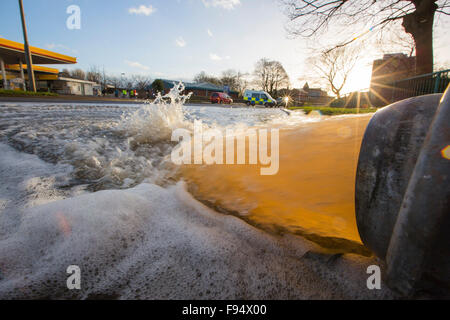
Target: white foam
(155,243)
(27,181)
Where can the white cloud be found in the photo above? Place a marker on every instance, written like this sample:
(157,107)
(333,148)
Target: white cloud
(226,4)
(180,42)
(142,10)
(215,57)
(52,46)
(55,46)
(136,65)
(209,33)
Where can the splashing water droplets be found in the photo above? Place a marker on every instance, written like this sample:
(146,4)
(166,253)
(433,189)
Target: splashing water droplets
(155,121)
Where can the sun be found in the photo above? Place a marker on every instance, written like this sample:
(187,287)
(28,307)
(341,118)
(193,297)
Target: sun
(359,79)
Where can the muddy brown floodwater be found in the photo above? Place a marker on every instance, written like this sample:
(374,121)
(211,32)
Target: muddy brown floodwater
(313,192)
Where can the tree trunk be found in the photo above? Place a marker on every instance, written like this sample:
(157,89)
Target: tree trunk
(420,25)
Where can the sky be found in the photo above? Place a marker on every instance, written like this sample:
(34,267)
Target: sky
(172,39)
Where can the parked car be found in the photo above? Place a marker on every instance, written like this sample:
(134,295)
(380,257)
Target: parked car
(281,102)
(220,97)
(253,97)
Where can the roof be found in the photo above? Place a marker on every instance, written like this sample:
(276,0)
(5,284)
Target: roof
(77,80)
(12,52)
(203,86)
(316,92)
(168,84)
(255,91)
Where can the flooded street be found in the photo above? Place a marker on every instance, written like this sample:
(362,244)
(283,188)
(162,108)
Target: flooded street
(94,186)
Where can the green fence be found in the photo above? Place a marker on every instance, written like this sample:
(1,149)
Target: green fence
(435,82)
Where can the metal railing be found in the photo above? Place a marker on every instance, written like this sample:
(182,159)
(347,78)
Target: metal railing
(435,82)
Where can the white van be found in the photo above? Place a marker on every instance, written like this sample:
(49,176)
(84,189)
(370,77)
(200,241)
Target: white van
(253,97)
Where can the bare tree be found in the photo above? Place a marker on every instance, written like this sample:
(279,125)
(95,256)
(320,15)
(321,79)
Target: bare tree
(65,73)
(261,74)
(94,74)
(229,78)
(141,82)
(417,16)
(78,74)
(397,40)
(279,79)
(234,79)
(335,66)
(203,77)
(126,83)
(113,81)
(270,75)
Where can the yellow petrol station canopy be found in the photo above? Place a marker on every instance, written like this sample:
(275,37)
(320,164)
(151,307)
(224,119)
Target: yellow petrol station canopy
(16,67)
(41,73)
(12,52)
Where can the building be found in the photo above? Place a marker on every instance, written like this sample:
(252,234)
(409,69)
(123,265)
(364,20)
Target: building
(14,70)
(43,76)
(310,95)
(386,71)
(14,73)
(74,87)
(203,89)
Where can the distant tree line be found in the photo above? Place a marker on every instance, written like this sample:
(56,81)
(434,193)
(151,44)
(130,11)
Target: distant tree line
(95,74)
(235,80)
(268,75)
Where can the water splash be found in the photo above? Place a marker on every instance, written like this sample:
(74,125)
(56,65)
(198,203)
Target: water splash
(144,150)
(155,121)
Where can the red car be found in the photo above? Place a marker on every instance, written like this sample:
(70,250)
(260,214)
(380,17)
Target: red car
(220,97)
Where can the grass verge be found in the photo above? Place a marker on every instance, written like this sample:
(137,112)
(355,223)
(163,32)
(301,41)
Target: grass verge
(21,93)
(328,111)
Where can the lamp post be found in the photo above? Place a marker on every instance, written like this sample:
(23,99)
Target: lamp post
(28,58)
